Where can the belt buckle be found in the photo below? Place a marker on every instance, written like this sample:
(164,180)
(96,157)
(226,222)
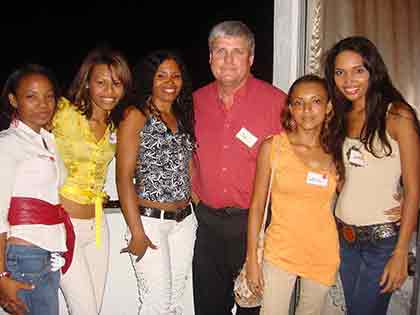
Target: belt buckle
(384,231)
(148,212)
(349,233)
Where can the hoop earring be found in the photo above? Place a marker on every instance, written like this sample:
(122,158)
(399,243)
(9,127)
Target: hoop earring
(292,124)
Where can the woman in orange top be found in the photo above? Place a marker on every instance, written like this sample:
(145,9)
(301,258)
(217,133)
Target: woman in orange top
(301,240)
(84,126)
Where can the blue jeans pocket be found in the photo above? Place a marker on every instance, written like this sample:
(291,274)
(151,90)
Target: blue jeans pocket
(27,263)
(31,265)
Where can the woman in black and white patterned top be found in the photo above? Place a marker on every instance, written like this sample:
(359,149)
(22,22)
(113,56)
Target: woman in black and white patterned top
(154,154)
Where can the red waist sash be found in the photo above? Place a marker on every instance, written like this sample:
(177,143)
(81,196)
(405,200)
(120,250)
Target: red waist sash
(25,210)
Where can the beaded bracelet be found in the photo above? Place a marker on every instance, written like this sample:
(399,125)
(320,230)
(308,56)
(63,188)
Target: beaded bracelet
(4,274)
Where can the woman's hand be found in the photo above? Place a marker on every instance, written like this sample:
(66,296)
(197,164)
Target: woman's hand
(254,277)
(9,299)
(395,271)
(138,246)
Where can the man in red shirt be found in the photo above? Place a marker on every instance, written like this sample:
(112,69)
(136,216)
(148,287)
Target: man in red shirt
(234,114)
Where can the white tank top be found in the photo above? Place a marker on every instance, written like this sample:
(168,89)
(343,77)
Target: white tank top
(370,183)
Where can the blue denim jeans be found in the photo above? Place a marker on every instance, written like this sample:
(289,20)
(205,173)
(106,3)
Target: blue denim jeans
(31,264)
(362,265)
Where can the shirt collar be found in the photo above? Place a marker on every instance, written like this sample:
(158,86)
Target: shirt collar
(21,126)
(241,92)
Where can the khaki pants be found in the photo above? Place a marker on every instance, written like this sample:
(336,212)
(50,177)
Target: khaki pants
(278,289)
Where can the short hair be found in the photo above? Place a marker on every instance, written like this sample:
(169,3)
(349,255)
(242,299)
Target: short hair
(234,29)
(286,116)
(7,111)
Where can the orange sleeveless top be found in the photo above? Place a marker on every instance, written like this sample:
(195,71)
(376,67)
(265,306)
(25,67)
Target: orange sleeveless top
(302,237)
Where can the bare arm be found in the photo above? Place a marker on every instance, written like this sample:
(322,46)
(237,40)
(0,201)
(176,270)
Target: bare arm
(126,157)
(402,128)
(256,214)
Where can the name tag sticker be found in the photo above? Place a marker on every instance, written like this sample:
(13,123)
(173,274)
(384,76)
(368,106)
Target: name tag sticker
(317,179)
(356,158)
(113,138)
(246,137)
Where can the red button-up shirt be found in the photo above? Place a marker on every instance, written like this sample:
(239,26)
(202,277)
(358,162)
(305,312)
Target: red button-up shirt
(224,166)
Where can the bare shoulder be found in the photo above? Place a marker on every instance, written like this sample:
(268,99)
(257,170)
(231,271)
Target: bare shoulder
(401,119)
(133,117)
(268,140)
(265,149)
(132,112)
(267,143)
(400,110)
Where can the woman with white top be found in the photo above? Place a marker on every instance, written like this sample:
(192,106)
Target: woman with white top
(32,223)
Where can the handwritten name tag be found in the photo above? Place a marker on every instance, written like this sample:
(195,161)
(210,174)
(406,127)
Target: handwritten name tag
(246,137)
(317,179)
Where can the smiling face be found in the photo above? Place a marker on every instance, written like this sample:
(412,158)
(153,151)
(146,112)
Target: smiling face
(309,105)
(167,82)
(231,60)
(34,100)
(105,88)
(351,76)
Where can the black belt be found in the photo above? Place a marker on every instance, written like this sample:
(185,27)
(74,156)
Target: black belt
(224,212)
(177,215)
(375,232)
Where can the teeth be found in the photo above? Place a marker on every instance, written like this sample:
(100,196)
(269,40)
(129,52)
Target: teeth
(351,90)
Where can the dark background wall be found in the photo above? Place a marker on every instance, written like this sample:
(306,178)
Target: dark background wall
(59,34)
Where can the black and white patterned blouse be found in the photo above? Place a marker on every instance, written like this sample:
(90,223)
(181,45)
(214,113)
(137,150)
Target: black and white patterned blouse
(162,170)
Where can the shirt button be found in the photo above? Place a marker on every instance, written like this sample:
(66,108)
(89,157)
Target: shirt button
(225,190)
(224,169)
(225,146)
(227,125)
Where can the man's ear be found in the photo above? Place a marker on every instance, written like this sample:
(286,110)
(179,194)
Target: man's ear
(251,60)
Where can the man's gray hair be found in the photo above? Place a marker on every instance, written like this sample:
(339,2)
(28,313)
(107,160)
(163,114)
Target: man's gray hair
(234,29)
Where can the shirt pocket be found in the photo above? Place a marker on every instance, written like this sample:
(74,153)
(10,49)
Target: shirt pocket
(39,170)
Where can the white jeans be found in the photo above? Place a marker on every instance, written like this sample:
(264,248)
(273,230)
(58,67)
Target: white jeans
(278,289)
(162,273)
(83,285)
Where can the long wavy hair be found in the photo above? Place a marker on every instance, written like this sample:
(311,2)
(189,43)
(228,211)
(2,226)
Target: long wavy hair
(380,93)
(144,73)
(7,111)
(78,92)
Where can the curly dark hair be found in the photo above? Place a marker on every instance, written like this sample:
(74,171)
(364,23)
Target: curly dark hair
(7,111)
(143,76)
(380,93)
